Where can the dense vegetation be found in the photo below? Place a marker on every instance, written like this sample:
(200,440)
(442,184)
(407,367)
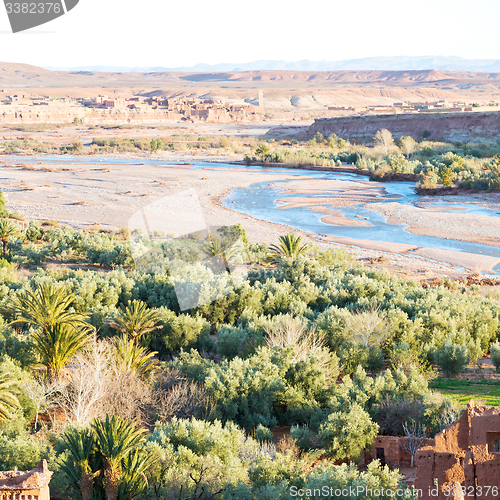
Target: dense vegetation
(436,164)
(104,375)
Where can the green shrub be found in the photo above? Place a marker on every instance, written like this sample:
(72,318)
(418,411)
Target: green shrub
(21,452)
(5,264)
(3,202)
(303,437)
(231,340)
(346,478)
(348,433)
(351,356)
(495,355)
(18,449)
(451,358)
(263,433)
(17,347)
(179,332)
(201,437)
(375,360)
(245,390)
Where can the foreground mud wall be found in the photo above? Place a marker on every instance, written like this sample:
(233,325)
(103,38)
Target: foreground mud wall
(463,458)
(449,126)
(26,485)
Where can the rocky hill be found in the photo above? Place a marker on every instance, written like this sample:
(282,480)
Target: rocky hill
(449,126)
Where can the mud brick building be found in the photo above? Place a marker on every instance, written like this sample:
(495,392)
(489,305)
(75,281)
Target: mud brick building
(29,485)
(389,450)
(466,454)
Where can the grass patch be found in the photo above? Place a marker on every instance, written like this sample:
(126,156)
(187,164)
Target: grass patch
(461,391)
(52,223)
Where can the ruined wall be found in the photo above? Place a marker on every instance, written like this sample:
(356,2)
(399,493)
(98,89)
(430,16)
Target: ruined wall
(445,468)
(464,456)
(26,485)
(394,454)
(450,126)
(455,438)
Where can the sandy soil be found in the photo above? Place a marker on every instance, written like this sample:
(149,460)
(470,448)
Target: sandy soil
(81,195)
(400,248)
(426,217)
(471,261)
(431,222)
(337,219)
(106,194)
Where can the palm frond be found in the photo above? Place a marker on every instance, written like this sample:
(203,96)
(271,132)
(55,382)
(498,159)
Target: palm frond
(290,245)
(8,400)
(133,358)
(58,344)
(136,320)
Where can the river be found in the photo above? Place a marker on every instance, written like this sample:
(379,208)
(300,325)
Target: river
(259,200)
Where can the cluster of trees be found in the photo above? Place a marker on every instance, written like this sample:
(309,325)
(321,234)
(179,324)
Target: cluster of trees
(35,245)
(174,142)
(205,412)
(437,164)
(137,399)
(470,166)
(324,290)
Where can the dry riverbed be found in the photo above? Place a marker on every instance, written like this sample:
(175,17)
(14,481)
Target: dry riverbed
(85,194)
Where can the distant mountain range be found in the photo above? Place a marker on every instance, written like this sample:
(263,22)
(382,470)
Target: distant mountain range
(395,63)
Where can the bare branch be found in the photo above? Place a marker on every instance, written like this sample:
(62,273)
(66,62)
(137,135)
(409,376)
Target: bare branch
(414,439)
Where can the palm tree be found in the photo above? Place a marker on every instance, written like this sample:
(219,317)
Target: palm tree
(59,332)
(7,230)
(8,401)
(107,460)
(223,250)
(116,440)
(81,461)
(132,358)
(136,320)
(133,480)
(57,345)
(263,150)
(290,245)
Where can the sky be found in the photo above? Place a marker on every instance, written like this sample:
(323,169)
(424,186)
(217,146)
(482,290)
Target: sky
(146,33)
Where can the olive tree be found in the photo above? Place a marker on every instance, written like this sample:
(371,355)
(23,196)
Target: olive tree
(451,358)
(348,433)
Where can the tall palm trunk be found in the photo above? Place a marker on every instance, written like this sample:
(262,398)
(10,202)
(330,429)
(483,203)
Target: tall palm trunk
(51,375)
(87,485)
(111,480)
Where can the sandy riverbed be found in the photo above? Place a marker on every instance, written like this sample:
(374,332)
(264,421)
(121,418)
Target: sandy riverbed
(426,217)
(475,228)
(84,194)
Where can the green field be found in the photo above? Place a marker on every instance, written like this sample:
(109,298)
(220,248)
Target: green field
(461,391)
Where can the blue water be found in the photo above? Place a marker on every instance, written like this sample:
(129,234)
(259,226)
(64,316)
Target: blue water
(261,201)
